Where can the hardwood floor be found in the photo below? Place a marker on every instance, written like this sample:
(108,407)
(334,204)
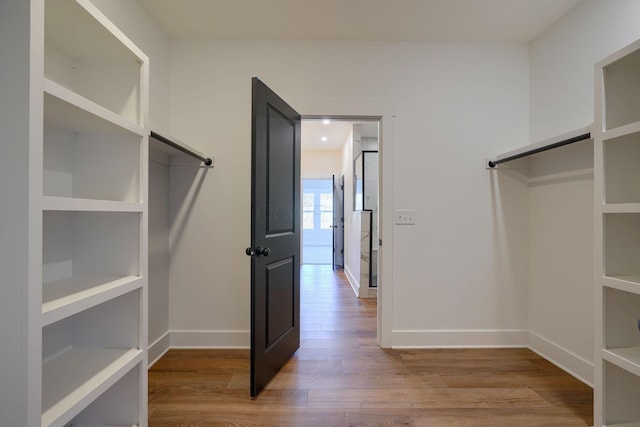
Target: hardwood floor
(340,377)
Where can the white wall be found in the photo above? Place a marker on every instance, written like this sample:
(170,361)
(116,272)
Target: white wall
(134,21)
(352,221)
(159,254)
(562,62)
(352,237)
(444,107)
(320,163)
(561,229)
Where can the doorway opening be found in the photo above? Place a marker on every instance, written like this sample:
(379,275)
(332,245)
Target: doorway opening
(317,221)
(346,149)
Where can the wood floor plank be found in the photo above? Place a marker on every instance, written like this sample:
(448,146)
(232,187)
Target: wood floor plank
(316,366)
(498,417)
(354,381)
(378,417)
(205,417)
(514,379)
(470,353)
(202,398)
(340,377)
(427,398)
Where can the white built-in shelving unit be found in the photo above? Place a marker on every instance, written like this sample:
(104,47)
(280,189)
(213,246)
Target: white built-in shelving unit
(89,302)
(617,239)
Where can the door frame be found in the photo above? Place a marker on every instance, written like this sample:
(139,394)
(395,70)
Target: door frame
(385,217)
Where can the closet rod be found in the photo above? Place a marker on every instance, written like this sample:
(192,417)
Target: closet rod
(494,163)
(207,160)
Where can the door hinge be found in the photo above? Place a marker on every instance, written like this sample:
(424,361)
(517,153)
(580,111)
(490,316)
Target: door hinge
(379,242)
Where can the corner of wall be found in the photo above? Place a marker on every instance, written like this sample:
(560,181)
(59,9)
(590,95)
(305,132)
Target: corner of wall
(566,360)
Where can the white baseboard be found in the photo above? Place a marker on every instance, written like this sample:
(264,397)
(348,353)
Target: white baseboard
(158,348)
(458,339)
(570,362)
(573,364)
(355,285)
(211,339)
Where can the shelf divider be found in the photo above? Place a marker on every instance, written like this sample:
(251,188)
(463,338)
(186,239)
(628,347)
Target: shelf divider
(629,284)
(83,104)
(75,378)
(55,203)
(64,298)
(627,358)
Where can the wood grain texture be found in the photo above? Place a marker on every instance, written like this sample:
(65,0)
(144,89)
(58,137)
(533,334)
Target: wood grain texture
(340,377)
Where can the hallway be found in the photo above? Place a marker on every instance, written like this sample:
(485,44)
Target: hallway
(339,377)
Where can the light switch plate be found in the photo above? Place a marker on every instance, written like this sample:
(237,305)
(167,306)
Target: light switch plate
(405,216)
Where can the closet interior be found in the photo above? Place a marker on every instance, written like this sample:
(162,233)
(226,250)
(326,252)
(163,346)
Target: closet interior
(101,224)
(616,153)
(170,161)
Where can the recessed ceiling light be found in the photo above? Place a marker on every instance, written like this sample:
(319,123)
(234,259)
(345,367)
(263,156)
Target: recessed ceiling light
(326,122)
(323,139)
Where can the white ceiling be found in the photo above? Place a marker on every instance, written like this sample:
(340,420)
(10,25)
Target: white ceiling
(375,20)
(336,133)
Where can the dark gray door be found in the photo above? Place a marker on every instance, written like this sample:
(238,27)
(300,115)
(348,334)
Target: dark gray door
(275,235)
(338,222)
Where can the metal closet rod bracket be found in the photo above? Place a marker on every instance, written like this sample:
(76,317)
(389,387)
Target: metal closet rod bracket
(208,161)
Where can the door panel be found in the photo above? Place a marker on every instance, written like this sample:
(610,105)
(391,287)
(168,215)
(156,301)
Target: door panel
(280,317)
(275,235)
(280,161)
(334,225)
(338,222)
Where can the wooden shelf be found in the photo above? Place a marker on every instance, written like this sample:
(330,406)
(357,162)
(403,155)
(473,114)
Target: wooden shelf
(88,54)
(626,358)
(621,208)
(625,130)
(64,298)
(621,155)
(621,246)
(53,203)
(69,109)
(91,154)
(90,244)
(623,283)
(75,378)
(543,143)
(620,77)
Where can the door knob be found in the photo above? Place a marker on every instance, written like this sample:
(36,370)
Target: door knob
(258,251)
(263,251)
